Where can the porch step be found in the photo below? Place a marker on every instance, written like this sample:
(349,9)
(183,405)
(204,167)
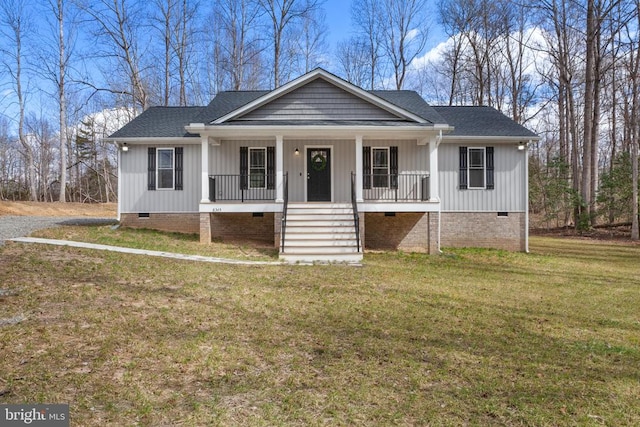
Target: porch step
(320,232)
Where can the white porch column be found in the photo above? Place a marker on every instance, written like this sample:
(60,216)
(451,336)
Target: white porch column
(359,197)
(279,169)
(205,169)
(433,167)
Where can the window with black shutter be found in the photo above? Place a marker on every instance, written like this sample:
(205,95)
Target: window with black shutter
(462,174)
(151,168)
(366,167)
(476,168)
(393,166)
(179,161)
(271,168)
(244,168)
(490,179)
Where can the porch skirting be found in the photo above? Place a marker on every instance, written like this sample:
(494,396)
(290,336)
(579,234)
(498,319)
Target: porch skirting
(239,226)
(179,222)
(409,231)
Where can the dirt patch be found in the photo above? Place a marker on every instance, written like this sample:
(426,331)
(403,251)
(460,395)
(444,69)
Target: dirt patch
(102,210)
(620,234)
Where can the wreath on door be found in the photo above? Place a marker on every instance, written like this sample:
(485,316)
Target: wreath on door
(319,162)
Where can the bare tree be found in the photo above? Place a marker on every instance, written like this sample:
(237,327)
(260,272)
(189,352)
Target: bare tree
(58,9)
(405,34)
(366,15)
(238,45)
(310,44)
(117,25)
(282,15)
(15,25)
(352,58)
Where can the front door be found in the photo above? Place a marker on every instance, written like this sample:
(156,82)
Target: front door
(318,174)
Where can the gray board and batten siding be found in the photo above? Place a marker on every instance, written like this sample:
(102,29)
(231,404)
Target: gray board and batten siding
(412,158)
(135,196)
(509,178)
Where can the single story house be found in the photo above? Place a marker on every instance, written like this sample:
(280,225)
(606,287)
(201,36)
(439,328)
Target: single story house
(324,169)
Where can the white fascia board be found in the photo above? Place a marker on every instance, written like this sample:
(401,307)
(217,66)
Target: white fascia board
(302,80)
(318,131)
(156,140)
(493,139)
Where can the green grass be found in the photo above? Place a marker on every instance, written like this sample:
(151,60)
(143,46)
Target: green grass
(472,337)
(161,241)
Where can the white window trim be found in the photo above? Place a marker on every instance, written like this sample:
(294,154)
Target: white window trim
(173,169)
(484,167)
(388,174)
(266,167)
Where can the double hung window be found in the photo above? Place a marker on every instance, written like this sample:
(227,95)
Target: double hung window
(476,168)
(380,167)
(165,168)
(257,167)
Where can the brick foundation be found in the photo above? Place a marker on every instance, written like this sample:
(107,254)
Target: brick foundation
(243,226)
(484,230)
(408,231)
(174,222)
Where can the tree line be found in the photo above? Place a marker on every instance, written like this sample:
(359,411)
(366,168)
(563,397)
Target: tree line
(76,70)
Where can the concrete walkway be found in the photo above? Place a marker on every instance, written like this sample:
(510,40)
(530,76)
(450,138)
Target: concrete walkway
(198,258)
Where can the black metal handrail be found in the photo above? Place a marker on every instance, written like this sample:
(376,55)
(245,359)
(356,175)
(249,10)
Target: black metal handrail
(242,187)
(396,187)
(283,225)
(354,204)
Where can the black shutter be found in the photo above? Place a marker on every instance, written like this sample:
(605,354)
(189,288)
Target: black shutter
(244,168)
(178,167)
(393,166)
(271,168)
(151,168)
(366,167)
(462,176)
(489,160)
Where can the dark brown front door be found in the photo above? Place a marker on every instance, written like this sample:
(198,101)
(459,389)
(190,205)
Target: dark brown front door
(318,174)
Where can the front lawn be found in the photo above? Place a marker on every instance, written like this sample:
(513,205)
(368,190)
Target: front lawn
(471,337)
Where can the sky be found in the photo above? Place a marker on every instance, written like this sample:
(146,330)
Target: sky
(339,23)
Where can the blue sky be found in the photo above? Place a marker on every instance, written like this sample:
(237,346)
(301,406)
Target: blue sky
(339,23)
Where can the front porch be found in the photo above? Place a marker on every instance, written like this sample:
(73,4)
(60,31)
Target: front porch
(259,178)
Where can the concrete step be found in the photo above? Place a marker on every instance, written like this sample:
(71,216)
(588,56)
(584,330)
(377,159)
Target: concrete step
(319,217)
(353,259)
(292,249)
(328,242)
(319,233)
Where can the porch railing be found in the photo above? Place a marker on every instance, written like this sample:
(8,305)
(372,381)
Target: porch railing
(354,204)
(285,206)
(242,187)
(403,187)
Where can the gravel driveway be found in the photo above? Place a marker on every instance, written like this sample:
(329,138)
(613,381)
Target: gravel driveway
(22,226)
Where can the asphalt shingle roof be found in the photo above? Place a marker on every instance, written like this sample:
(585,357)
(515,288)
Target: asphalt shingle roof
(226,102)
(410,100)
(159,122)
(166,122)
(481,121)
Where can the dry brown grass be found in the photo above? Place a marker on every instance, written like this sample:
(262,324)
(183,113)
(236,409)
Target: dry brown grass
(102,210)
(473,337)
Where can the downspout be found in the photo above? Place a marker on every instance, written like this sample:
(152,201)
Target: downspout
(118,148)
(438,141)
(526,197)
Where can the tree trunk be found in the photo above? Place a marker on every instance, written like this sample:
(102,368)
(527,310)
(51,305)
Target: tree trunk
(62,104)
